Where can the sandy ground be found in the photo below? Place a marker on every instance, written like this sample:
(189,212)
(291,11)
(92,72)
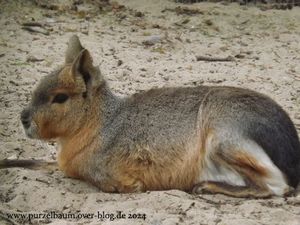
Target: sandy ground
(147,44)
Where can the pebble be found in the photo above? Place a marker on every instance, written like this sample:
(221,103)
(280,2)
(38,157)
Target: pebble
(165,78)
(120,62)
(67,206)
(152,40)
(32,58)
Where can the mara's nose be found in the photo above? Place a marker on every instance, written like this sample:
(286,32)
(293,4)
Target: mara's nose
(25,118)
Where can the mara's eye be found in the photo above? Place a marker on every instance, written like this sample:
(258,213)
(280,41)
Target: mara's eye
(60,98)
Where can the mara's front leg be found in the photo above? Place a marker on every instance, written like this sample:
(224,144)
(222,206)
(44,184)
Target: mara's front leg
(116,176)
(116,184)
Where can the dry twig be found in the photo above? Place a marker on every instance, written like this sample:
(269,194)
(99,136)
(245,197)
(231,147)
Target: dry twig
(215,59)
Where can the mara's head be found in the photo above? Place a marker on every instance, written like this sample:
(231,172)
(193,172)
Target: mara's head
(62,101)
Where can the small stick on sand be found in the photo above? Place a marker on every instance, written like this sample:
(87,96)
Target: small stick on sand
(32,24)
(215,59)
(36,30)
(42,181)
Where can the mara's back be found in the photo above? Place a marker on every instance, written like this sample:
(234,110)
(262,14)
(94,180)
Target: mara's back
(163,117)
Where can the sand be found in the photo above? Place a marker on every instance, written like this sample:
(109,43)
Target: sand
(147,44)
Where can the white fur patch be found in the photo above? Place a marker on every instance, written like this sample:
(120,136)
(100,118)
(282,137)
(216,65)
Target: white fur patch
(220,173)
(212,172)
(275,181)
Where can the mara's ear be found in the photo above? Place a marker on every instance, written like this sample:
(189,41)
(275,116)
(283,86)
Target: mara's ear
(74,48)
(83,69)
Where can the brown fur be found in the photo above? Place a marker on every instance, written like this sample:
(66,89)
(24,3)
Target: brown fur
(245,160)
(252,171)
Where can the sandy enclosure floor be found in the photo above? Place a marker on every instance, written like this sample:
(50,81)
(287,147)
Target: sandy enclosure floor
(147,44)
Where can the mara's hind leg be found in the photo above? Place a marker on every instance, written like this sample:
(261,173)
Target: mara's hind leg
(239,168)
(215,187)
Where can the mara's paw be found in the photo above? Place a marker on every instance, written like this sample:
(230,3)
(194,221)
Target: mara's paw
(134,187)
(202,188)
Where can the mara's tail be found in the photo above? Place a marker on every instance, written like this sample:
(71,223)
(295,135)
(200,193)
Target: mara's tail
(28,163)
